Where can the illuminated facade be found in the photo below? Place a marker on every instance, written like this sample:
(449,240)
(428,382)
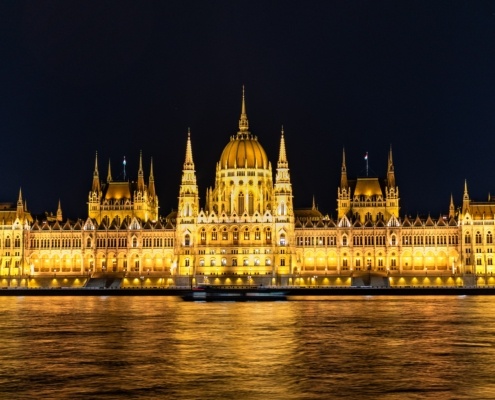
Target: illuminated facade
(247,229)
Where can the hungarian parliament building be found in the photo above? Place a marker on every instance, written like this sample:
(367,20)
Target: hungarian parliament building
(247,229)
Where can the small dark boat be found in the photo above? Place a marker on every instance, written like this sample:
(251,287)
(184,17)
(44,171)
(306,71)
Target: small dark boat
(232,293)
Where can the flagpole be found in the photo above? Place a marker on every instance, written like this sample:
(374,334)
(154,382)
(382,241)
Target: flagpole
(366,158)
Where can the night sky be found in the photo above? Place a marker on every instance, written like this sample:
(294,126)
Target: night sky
(120,77)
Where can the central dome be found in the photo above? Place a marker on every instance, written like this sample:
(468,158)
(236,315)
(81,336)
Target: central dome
(243,150)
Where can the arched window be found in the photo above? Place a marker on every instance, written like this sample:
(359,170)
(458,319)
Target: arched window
(17,242)
(201,262)
(344,240)
(489,238)
(7,242)
(478,237)
(394,240)
(240,203)
(134,242)
(282,239)
(88,242)
(251,203)
(187,240)
(467,239)
(224,262)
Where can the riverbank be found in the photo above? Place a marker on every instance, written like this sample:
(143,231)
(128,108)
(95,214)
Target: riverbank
(289,291)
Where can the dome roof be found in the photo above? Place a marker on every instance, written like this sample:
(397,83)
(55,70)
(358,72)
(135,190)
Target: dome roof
(243,151)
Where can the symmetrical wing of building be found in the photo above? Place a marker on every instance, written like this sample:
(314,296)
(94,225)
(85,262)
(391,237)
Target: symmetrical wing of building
(247,229)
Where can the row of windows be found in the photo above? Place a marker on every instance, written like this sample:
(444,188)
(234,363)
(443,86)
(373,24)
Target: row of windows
(478,238)
(235,235)
(100,243)
(67,243)
(379,240)
(479,261)
(223,262)
(357,262)
(234,251)
(8,242)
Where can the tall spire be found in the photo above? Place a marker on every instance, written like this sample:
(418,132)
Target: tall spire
(390,169)
(343,172)
(465,198)
(151,185)
(451,207)
(59,212)
(283,176)
(140,182)
(466,194)
(243,121)
(282,157)
(96,177)
(109,174)
(20,205)
(188,163)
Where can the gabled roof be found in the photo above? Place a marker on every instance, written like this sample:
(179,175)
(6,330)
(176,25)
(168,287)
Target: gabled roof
(418,222)
(452,222)
(441,221)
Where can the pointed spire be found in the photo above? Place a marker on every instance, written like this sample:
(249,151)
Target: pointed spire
(96,177)
(243,121)
(465,198)
(20,206)
(140,181)
(151,181)
(188,163)
(140,171)
(344,184)
(451,207)
(282,157)
(390,170)
(390,159)
(314,203)
(152,178)
(109,174)
(59,211)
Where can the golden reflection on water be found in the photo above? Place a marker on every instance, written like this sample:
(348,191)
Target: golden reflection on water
(315,348)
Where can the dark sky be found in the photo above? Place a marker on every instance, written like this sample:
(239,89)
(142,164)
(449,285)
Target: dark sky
(120,77)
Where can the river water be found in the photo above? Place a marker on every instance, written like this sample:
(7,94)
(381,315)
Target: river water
(305,348)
